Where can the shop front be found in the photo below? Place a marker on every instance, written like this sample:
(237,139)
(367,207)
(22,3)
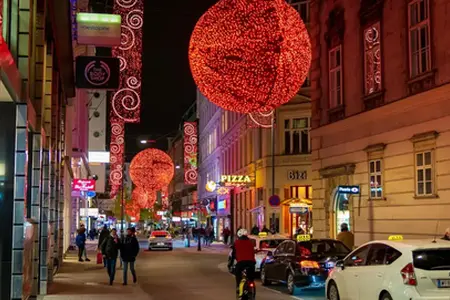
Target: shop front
(297,210)
(341,210)
(222,219)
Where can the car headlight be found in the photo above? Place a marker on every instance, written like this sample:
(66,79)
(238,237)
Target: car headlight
(330,265)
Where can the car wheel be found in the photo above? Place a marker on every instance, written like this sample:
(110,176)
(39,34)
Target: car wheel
(333,292)
(386,296)
(290,283)
(170,249)
(263,277)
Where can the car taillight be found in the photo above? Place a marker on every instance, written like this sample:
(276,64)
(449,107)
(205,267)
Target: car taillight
(152,237)
(408,275)
(309,264)
(168,237)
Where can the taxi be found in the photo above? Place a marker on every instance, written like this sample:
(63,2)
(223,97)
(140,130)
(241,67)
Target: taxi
(393,269)
(263,243)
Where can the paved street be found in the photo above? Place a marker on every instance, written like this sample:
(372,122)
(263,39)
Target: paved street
(183,273)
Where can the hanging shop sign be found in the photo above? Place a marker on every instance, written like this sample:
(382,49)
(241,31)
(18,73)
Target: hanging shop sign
(83,185)
(349,189)
(95,72)
(210,186)
(223,191)
(235,180)
(91,212)
(99,29)
(299,208)
(297,175)
(274,201)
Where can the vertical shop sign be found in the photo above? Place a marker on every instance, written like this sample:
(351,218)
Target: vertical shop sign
(190,153)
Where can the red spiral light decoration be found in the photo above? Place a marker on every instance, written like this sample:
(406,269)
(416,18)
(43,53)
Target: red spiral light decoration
(250,55)
(151,169)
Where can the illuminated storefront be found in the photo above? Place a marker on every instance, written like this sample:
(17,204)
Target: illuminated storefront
(297,210)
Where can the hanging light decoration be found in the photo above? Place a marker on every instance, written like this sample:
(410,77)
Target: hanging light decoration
(133,210)
(144,198)
(250,55)
(151,169)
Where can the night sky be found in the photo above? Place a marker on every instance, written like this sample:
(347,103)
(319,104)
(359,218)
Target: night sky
(168,87)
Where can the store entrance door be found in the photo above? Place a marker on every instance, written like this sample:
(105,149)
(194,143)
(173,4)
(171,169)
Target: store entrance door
(340,212)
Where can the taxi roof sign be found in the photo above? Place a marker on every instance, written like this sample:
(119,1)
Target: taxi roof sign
(262,234)
(396,238)
(303,238)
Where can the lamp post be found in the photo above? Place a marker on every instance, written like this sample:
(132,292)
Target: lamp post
(273,163)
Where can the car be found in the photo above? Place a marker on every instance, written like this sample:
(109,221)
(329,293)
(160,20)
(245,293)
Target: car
(160,240)
(393,269)
(302,264)
(263,243)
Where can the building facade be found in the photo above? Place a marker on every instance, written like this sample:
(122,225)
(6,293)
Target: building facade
(381,120)
(238,144)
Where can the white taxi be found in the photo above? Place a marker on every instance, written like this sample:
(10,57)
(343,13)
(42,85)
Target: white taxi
(263,243)
(393,269)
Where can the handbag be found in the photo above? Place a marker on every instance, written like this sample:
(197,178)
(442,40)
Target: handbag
(99,258)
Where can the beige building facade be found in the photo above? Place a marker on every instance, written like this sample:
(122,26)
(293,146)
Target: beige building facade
(381,118)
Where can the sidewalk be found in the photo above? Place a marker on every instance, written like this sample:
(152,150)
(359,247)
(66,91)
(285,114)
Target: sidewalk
(89,281)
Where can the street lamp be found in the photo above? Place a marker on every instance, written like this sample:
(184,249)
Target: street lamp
(145,142)
(177,167)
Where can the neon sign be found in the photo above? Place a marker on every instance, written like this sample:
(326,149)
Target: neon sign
(235,179)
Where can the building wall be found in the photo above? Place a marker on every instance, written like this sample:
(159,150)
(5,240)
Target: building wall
(410,116)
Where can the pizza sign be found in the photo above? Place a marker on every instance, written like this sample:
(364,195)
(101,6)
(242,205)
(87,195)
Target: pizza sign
(83,185)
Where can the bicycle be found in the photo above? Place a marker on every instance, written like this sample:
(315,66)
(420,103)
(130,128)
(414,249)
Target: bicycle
(247,289)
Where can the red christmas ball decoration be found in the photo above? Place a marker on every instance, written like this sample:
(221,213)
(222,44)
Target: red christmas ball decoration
(250,55)
(144,198)
(151,169)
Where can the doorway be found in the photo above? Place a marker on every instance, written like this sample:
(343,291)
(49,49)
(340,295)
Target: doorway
(340,212)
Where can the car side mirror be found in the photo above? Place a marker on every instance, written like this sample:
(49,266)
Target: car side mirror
(340,264)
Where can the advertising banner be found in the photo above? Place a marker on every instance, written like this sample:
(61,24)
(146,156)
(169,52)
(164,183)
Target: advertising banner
(95,72)
(98,29)
(190,153)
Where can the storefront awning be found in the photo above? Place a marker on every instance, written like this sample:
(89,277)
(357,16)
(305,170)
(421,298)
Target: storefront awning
(296,200)
(256,209)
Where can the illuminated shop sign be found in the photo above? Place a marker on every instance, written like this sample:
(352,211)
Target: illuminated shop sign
(94,72)
(99,157)
(349,189)
(235,179)
(299,208)
(223,191)
(211,186)
(99,29)
(83,185)
(297,175)
(222,204)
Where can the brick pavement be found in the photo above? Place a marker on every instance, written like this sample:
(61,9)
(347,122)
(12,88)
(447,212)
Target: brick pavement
(89,281)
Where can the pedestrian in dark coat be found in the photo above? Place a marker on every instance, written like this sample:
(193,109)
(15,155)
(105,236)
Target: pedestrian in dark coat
(80,241)
(103,235)
(110,250)
(129,249)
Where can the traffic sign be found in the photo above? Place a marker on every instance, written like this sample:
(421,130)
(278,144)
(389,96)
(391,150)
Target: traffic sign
(274,201)
(91,194)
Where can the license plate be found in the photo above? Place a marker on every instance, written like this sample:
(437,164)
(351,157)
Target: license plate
(160,244)
(445,283)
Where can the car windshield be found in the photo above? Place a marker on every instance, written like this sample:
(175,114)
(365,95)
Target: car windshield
(272,243)
(325,247)
(432,259)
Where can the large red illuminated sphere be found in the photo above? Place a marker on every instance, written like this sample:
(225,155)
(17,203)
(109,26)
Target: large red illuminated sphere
(151,169)
(250,55)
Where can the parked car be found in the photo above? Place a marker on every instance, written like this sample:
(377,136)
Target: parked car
(303,264)
(263,243)
(393,269)
(160,240)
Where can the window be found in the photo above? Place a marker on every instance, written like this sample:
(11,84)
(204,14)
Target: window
(376,255)
(372,59)
(376,179)
(290,247)
(424,174)
(302,6)
(357,258)
(432,259)
(296,136)
(419,37)
(391,255)
(280,249)
(335,76)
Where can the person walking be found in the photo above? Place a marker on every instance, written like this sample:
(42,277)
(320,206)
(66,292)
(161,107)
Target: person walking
(446,236)
(346,237)
(110,250)
(103,235)
(80,241)
(226,235)
(129,249)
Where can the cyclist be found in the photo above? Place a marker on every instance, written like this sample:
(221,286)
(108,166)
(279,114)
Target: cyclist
(244,253)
